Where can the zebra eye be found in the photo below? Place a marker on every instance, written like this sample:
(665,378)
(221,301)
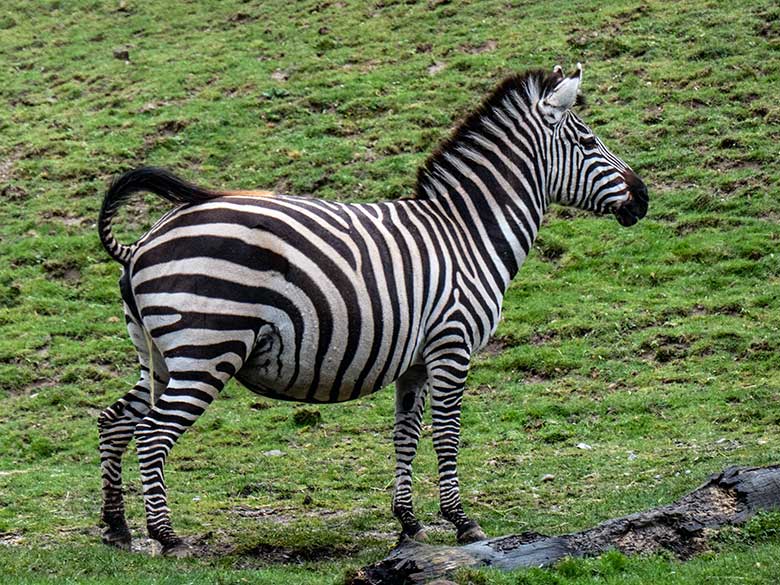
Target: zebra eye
(588,142)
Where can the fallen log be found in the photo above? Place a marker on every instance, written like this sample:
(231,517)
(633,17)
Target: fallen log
(728,498)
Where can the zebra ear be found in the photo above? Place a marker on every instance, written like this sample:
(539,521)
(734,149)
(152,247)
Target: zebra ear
(562,97)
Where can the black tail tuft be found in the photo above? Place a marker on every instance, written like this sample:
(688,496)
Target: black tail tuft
(149,179)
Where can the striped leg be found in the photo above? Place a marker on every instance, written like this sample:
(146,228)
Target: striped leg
(410,391)
(177,408)
(116,426)
(197,375)
(448,378)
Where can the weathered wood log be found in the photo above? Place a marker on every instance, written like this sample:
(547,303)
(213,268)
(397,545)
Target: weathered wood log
(728,498)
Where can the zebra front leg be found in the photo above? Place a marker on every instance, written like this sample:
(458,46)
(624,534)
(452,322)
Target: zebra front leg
(410,391)
(447,384)
(179,406)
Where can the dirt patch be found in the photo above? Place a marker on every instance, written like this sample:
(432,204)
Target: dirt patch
(6,166)
(436,68)
(483,390)
(653,115)
(65,218)
(11,539)
(154,105)
(276,514)
(136,216)
(13,193)
(40,384)
(733,164)
(688,226)
(67,271)
(606,40)
(535,378)
(268,553)
(496,346)
(542,338)
(285,515)
(666,348)
(486,47)
(768,25)
(220,544)
(163,131)
(241,18)
(9,191)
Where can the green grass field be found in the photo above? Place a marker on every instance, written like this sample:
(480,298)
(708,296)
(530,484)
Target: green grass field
(658,346)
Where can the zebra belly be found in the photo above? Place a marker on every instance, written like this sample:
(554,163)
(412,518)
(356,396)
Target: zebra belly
(282,369)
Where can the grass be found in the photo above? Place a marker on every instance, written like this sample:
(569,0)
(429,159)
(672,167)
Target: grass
(658,346)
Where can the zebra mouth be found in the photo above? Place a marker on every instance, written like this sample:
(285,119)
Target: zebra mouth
(634,208)
(625,216)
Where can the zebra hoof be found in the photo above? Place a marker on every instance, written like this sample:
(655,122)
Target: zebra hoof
(120,539)
(469,533)
(180,550)
(415,533)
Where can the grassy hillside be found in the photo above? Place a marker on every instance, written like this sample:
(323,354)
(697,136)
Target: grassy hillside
(658,346)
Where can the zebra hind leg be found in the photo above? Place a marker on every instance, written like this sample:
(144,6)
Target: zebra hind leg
(410,391)
(197,375)
(116,427)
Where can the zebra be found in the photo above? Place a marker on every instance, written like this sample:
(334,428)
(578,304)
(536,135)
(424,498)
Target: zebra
(317,301)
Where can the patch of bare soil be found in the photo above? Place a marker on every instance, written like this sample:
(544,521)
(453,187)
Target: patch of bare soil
(688,226)
(486,47)
(211,545)
(163,131)
(240,18)
(9,191)
(535,378)
(64,270)
(495,346)
(436,67)
(733,164)
(65,218)
(666,348)
(542,338)
(268,553)
(11,539)
(139,212)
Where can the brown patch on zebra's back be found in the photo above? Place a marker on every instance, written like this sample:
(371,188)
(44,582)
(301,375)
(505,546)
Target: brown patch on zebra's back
(250,193)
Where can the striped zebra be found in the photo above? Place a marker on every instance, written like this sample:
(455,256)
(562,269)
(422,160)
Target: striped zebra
(316,301)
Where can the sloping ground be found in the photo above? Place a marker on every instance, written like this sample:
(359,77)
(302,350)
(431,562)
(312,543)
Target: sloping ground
(629,362)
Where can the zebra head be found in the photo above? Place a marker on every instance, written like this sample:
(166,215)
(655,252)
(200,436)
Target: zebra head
(585,173)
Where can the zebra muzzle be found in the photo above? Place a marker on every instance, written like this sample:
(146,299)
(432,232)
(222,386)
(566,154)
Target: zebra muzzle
(634,208)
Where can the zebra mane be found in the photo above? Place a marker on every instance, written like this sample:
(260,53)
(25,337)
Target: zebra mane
(528,86)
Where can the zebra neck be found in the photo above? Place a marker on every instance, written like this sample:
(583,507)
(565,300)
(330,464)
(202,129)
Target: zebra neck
(494,198)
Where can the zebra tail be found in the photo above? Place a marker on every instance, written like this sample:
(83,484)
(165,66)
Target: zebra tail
(149,179)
